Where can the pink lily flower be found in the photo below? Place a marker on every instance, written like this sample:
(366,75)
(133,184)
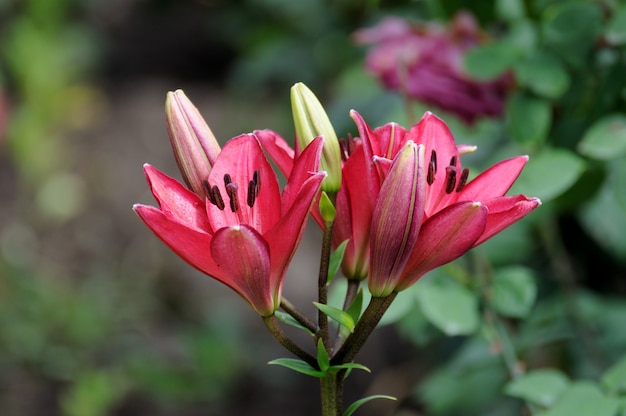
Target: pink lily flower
(427,213)
(241,230)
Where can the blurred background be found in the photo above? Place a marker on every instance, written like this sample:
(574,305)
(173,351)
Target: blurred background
(97,317)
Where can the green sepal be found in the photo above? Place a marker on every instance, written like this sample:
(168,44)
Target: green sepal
(291,321)
(364,400)
(298,366)
(335,260)
(322,356)
(343,318)
(327,209)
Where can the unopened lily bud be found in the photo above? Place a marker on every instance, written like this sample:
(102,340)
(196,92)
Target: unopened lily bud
(311,121)
(194,145)
(327,209)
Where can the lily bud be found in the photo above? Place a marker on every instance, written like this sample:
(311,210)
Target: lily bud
(194,145)
(311,121)
(327,209)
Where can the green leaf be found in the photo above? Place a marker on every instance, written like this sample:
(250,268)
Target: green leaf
(299,366)
(615,377)
(290,320)
(543,74)
(341,317)
(451,308)
(355,308)
(349,366)
(528,119)
(513,291)
(605,139)
(549,173)
(583,399)
(491,60)
(511,10)
(335,260)
(541,387)
(322,356)
(364,400)
(615,32)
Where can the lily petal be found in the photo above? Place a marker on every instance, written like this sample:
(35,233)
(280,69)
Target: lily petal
(305,165)
(243,256)
(278,149)
(285,237)
(191,245)
(173,198)
(444,237)
(504,211)
(495,181)
(435,135)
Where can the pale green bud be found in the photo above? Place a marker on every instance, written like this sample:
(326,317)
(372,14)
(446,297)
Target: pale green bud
(312,121)
(327,209)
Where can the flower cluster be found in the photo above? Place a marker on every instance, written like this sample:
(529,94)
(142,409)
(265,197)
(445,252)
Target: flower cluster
(426,63)
(403,200)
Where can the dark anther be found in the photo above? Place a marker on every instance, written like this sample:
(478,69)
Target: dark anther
(453,161)
(251,193)
(430,178)
(256,178)
(227,179)
(450,179)
(462,180)
(217,196)
(231,190)
(433,160)
(208,191)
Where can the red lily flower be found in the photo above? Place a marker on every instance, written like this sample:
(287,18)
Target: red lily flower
(427,214)
(241,231)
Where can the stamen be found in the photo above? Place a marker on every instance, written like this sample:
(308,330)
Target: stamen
(231,190)
(256,177)
(433,160)
(430,178)
(450,179)
(453,161)
(462,180)
(227,179)
(252,188)
(208,192)
(219,202)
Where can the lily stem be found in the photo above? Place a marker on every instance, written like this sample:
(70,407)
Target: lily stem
(322,297)
(272,324)
(372,315)
(297,315)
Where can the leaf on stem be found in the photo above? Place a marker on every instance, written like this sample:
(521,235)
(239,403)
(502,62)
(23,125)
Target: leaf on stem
(335,260)
(322,356)
(299,366)
(290,320)
(341,317)
(364,400)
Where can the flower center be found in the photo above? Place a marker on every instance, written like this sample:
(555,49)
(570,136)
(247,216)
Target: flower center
(215,196)
(451,174)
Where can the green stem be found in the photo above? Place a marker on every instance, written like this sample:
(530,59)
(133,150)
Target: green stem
(331,388)
(322,320)
(372,315)
(272,324)
(297,315)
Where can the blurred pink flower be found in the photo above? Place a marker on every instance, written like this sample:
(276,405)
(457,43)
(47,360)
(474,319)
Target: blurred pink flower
(241,231)
(426,63)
